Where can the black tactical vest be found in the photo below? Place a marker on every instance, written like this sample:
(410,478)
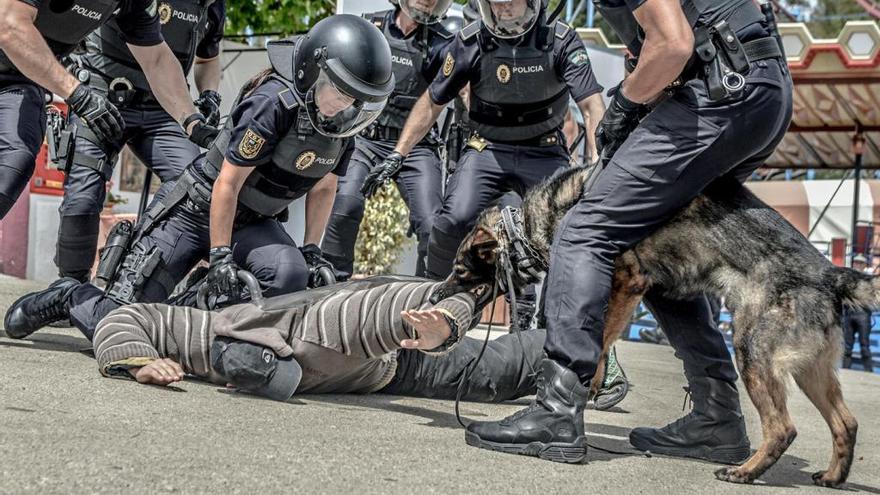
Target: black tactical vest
(300,159)
(519,95)
(64,24)
(407,61)
(184,23)
(739,13)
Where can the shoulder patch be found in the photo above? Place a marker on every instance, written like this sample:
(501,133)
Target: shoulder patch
(470,31)
(562,29)
(448,64)
(251,144)
(287,98)
(440,31)
(579,57)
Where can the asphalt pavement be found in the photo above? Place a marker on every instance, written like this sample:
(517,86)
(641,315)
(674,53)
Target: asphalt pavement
(66,429)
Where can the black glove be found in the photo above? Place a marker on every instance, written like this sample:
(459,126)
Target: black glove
(618,122)
(209,104)
(202,134)
(222,278)
(98,113)
(382,173)
(315,261)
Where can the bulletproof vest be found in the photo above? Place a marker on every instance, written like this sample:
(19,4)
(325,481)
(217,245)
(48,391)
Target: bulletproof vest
(300,159)
(698,13)
(64,24)
(408,58)
(184,24)
(519,94)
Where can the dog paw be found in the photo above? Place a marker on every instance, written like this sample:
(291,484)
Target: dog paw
(822,478)
(733,475)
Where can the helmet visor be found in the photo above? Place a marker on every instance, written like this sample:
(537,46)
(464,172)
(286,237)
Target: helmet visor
(425,11)
(509,18)
(336,114)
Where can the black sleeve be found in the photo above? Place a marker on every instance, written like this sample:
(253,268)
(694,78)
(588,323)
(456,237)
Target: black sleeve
(574,65)
(33,3)
(435,56)
(342,165)
(458,60)
(139,22)
(209,47)
(259,121)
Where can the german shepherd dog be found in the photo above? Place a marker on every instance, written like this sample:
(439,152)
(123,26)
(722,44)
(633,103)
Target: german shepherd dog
(785,296)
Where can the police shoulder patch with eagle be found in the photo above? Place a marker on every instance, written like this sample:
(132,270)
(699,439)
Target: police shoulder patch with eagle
(251,144)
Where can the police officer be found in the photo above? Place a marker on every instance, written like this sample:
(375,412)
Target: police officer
(288,135)
(193,30)
(522,72)
(34,35)
(721,97)
(416,39)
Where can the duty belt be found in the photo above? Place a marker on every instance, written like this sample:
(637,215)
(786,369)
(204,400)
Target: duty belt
(552,138)
(120,91)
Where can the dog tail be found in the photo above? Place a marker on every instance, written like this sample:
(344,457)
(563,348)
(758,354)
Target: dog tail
(856,289)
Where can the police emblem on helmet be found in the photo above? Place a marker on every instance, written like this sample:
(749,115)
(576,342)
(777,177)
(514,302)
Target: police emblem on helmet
(165,12)
(503,73)
(448,65)
(305,160)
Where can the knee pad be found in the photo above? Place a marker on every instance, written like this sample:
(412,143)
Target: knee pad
(291,274)
(77,245)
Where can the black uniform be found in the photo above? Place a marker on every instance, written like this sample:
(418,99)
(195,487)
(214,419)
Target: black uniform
(268,130)
(857,321)
(519,94)
(687,142)
(416,60)
(191,28)
(22,103)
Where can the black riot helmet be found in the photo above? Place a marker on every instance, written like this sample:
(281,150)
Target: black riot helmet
(342,71)
(509,18)
(424,11)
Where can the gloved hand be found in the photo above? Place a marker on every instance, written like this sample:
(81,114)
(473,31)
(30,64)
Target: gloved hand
(222,278)
(382,173)
(616,125)
(209,104)
(98,113)
(315,261)
(202,134)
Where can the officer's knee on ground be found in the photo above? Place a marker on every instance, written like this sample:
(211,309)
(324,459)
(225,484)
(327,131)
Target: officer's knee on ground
(291,274)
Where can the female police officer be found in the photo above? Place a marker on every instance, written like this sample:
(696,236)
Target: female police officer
(287,132)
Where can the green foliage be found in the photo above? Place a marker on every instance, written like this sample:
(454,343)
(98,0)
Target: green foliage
(382,237)
(275,16)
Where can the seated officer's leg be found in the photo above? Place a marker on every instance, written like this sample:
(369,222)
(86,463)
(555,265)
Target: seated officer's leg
(265,249)
(715,429)
(503,373)
(22,126)
(420,183)
(80,210)
(476,182)
(348,211)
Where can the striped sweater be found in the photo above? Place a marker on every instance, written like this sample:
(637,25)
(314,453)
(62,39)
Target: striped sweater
(344,336)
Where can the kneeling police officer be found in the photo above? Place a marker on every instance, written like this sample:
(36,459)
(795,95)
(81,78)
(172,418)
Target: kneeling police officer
(288,135)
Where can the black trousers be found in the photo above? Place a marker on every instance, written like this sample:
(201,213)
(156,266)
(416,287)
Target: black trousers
(22,127)
(685,144)
(182,238)
(481,178)
(857,322)
(420,183)
(155,138)
(502,374)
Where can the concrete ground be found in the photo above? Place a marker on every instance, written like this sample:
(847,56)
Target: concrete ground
(65,429)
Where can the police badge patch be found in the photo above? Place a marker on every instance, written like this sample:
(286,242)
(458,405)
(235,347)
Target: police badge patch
(250,145)
(448,65)
(503,73)
(165,12)
(305,160)
(579,57)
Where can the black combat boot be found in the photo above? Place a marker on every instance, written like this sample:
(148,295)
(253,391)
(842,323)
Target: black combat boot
(714,430)
(551,427)
(38,309)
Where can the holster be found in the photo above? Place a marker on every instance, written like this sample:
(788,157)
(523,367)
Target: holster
(60,140)
(114,251)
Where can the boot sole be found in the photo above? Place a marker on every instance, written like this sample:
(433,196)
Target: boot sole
(568,453)
(720,455)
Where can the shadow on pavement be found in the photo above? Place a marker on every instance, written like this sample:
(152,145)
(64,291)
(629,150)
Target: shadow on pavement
(50,342)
